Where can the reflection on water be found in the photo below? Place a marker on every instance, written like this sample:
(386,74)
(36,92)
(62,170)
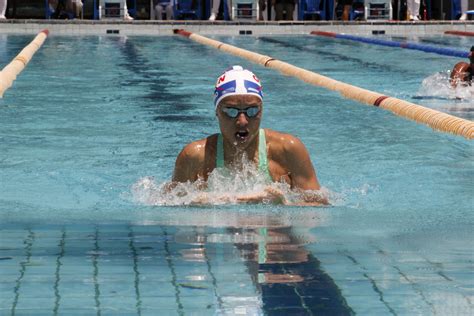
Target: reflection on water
(285,276)
(184,261)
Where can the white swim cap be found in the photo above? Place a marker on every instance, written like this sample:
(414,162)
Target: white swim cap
(237,81)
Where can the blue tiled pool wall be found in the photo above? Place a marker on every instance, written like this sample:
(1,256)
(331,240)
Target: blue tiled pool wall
(130,269)
(112,269)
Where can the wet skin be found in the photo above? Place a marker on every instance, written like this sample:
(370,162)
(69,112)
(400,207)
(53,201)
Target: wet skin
(288,159)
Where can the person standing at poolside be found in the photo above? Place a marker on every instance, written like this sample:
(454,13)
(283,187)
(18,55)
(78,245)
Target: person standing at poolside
(464,6)
(161,6)
(463,72)
(215,5)
(284,9)
(3,9)
(346,9)
(280,157)
(413,8)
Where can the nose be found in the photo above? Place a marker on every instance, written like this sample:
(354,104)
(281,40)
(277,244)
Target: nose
(242,120)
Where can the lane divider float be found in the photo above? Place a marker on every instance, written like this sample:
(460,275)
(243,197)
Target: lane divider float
(407,45)
(435,119)
(459,33)
(13,69)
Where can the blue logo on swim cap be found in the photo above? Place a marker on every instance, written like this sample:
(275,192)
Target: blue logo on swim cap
(237,81)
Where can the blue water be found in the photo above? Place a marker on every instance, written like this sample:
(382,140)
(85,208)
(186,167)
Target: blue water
(91,119)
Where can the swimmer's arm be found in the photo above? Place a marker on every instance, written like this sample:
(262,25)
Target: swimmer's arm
(302,174)
(274,196)
(188,163)
(269,196)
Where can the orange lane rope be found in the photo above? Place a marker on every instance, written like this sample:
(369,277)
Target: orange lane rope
(13,69)
(459,33)
(435,119)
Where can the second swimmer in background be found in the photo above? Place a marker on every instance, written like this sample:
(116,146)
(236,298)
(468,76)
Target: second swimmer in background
(462,73)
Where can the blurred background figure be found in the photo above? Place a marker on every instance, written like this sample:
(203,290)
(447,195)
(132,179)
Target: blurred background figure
(3,8)
(65,9)
(215,8)
(413,7)
(346,9)
(463,16)
(262,6)
(283,9)
(76,7)
(161,6)
(126,15)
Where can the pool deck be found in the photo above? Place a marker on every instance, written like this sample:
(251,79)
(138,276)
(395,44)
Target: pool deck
(163,28)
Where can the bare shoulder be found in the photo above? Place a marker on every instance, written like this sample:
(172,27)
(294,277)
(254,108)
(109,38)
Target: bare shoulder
(290,160)
(194,150)
(194,161)
(283,143)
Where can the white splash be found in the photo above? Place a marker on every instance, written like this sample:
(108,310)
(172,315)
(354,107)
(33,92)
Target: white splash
(223,186)
(438,86)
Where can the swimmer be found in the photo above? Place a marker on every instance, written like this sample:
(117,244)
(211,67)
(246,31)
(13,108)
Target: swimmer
(281,157)
(463,72)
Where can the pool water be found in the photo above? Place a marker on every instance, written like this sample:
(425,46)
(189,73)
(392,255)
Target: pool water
(93,119)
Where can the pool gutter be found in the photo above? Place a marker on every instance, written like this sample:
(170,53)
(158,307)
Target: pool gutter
(163,28)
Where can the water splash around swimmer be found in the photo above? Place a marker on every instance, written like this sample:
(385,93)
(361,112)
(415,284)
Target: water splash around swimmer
(224,186)
(438,85)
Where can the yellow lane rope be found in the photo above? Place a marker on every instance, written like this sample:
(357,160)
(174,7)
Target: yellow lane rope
(11,71)
(435,119)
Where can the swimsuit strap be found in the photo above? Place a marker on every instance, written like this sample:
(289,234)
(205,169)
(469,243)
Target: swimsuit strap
(220,152)
(262,153)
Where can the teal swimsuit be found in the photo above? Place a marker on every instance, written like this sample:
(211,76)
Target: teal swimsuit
(262,153)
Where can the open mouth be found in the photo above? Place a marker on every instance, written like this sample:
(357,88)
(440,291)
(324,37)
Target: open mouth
(242,136)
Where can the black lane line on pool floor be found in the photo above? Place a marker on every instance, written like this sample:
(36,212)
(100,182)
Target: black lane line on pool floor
(213,277)
(168,107)
(136,273)
(416,288)
(95,264)
(29,241)
(316,294)
(57,273)
(371,280)
(174,278)
(333,56)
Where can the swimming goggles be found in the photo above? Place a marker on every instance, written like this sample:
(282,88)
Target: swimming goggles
(234,112)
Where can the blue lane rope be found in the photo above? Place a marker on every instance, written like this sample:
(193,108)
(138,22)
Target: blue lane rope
(424,48)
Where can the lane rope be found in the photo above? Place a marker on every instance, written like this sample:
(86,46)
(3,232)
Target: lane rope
(376,41)
(459,33)
(435,119)
(13,69)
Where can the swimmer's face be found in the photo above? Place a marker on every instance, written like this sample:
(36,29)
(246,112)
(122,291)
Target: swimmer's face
(242,129)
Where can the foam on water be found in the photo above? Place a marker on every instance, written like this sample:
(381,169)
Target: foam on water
(224,186)
(438,86)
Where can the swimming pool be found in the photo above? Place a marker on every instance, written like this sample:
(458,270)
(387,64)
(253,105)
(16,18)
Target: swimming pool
(92,117)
